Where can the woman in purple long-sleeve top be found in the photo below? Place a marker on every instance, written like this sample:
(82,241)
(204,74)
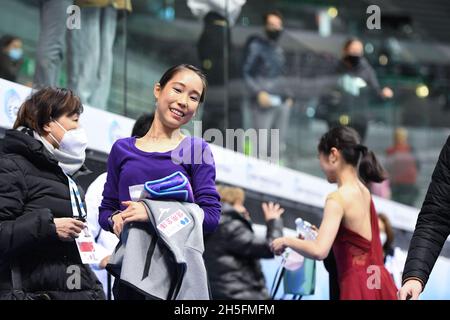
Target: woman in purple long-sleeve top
(161,152)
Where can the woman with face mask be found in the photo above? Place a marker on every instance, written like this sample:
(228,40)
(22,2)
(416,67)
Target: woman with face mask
(394,257)
(41,208)
(11,54)
(350,225)
(162,151)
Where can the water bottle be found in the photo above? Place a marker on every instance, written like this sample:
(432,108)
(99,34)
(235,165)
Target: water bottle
(304,228)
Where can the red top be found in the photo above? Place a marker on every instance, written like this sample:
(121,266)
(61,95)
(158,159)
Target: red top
(360,267)
(401,165)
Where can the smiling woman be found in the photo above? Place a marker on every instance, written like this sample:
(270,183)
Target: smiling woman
(134,161)
(178,94)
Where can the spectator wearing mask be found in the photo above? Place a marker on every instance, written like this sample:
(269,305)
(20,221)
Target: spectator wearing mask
(263,70)
(41,211)
(11,54)
(232,253)
(107,241)
(356,74)
(354,63)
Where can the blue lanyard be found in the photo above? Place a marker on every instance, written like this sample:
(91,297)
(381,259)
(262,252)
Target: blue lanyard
(74,193)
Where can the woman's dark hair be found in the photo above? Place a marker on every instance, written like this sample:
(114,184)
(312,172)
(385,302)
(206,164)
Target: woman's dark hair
(142,124)
(169,74)
(349,41)
(6,40)
(387,247)
(347,141)
(46,105)
(272,13)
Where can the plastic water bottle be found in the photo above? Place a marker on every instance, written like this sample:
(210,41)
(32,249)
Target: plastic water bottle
(304,228)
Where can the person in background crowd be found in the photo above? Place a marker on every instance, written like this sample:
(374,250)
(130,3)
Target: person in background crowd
(212,54)
(215,51)
(90,50)
(394,258)
(107,241)
(11,54)
(356,74)
(232,253)
(432,230)
(402,167)
(350,225)
(40,205)
(134,161)
(51,42)
(354,63)
(263,71)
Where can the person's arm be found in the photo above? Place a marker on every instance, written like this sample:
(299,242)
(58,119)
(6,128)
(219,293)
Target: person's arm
(372,80)
(274,223)
(21,229)
(203,177)
(319,248)
(433,223)
(110,202)
(243,242)
(385,92)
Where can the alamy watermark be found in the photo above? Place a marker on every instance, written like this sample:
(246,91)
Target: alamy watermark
(74,19)
(73,281)
(374,20)
(265,144)
(374,279)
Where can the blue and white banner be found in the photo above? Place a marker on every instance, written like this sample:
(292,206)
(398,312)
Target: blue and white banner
(102,128)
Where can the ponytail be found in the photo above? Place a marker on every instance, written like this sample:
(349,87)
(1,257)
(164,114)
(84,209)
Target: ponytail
(370,170)
(347,141)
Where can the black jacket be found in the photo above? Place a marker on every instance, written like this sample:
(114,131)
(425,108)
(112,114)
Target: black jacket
(433,223)
(33,191)
(9,69)
(232,256)
(264,67)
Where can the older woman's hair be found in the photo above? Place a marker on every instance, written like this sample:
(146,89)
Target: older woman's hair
(231,195)
(46,105)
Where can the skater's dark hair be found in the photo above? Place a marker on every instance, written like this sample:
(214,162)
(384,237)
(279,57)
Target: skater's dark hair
(348,142)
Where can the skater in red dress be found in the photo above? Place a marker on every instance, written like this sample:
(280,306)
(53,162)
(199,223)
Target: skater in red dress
(350,223)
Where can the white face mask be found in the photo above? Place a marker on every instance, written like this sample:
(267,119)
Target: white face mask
(72,149)
(383,238)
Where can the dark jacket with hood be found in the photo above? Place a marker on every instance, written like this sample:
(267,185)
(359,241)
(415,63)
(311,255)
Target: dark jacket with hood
(232,256)
(34,191)
(433,223)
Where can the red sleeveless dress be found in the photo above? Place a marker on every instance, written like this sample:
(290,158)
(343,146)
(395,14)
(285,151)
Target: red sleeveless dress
(360,268)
